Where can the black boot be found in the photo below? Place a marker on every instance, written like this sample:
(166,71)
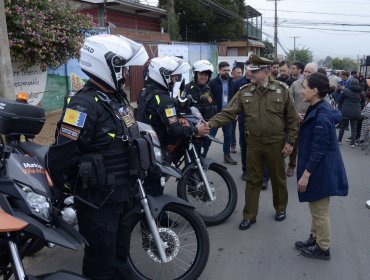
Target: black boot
(311,241)
(315,252)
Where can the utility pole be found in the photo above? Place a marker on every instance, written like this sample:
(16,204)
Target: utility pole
(6,71)
(276,29)
(294,38)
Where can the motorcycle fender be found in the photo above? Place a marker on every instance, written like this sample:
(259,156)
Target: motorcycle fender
(58,235)
(156,204)
(206,162)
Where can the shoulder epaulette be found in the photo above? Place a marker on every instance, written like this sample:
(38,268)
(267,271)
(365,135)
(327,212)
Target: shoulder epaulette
(243,86)
(284,85)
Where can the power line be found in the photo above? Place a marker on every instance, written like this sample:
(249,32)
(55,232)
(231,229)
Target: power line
(317,13)
(307,22)
(329,29)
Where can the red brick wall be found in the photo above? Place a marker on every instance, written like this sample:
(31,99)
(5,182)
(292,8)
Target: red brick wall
(94,13)
(133,21)
(126,20)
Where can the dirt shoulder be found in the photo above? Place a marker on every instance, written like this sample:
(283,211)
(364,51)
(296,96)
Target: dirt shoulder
(47,134)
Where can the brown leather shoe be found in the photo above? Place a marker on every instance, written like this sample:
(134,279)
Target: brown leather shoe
(289,172)
(228,159)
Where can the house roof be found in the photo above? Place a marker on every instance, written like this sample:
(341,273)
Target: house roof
(130,6)
(252,12)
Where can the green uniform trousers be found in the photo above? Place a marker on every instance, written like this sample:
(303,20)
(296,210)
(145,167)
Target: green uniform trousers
(259,154)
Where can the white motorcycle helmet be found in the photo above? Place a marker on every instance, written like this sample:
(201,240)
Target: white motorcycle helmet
(203,66)
(162,68)
(104,57)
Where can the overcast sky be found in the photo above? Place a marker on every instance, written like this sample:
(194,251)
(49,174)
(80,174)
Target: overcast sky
(323,40)
(345,43)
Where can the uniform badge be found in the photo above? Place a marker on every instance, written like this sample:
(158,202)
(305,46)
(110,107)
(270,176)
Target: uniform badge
(253,88)
(272,87)
(127,120)
(170,112)
(245,94)
(278,90)
(74,118)
(69,132)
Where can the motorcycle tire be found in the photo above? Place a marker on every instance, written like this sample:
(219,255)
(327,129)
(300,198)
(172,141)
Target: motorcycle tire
(199,198)
(183,229)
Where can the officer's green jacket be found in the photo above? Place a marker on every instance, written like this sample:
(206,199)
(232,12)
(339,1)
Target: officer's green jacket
(270,115)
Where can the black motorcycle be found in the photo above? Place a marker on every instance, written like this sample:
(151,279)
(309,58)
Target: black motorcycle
(25,195)
(206,184)
(168,241)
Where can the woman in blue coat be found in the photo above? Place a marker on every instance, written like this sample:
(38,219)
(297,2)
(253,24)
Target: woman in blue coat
(320,170)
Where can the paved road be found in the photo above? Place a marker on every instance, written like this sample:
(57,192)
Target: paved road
(266,250)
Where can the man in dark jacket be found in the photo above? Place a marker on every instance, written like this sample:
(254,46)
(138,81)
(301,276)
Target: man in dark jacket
(351,102)
(246,79)
(284,71)
(222,88)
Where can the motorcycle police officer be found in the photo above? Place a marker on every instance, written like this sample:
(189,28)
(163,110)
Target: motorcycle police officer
(91,154)
(160,111)
(199,89)
(271,121)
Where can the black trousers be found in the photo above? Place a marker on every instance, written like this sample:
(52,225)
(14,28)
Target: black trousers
(343,125)
(108,234)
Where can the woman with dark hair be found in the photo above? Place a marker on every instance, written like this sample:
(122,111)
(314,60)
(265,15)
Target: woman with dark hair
(320,169)
(351,102)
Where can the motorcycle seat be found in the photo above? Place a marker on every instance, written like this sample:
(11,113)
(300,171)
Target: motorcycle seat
(35,150)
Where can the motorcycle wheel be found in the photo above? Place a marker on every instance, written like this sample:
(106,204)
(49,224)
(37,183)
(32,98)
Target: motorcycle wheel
(186,246)
(192,189)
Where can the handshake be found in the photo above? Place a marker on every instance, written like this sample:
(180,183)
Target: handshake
(202,129)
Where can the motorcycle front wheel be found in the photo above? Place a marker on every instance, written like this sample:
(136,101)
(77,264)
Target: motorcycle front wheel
(192,189)
(185,240)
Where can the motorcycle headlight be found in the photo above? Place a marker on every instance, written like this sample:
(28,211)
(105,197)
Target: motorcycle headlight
(158,154)
(38,203)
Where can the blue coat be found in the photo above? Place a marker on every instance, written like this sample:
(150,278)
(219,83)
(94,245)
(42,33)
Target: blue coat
(319,153)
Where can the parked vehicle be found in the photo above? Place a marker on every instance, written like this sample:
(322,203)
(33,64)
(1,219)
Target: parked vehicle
(163,229)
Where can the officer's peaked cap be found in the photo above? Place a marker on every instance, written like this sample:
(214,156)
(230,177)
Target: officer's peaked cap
(258,63)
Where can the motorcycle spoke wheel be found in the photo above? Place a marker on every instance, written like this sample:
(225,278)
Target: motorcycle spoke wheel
(186,245)
(192,189)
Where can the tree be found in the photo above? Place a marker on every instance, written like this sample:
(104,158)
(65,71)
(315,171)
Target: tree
(268,50)
(44,33)
(346,64)
(200,22)
(303,55)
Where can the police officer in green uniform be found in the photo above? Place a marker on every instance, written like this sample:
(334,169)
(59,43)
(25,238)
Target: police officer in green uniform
(272,127)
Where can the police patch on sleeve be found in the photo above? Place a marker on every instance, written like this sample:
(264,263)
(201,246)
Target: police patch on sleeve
(69,132)
(170,112)
(75,118)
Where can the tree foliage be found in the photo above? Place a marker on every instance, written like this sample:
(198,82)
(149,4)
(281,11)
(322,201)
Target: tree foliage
(268,50)
(303,55)
(200,23)
(346,64)
(43,32)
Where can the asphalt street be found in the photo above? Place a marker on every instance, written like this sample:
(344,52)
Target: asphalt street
(266,250)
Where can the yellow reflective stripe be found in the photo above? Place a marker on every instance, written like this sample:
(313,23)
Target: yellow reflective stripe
(150,117)
(158,100)
(96,99)
(68,100)
(112,135)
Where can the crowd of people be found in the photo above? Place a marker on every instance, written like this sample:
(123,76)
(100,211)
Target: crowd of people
(282,111)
